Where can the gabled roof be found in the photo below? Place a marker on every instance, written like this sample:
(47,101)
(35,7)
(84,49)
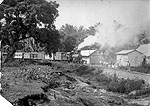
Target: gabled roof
(125,52)
(87,52)
(145,49)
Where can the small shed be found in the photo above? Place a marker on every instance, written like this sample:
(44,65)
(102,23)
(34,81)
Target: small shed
(129,57)
(91,56)
(145,49)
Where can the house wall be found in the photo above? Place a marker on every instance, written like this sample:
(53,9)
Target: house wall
(95,58)
(41,55)
(27,55)
(34,55)
(135,58)
(58,56)
(122,60)
(86,59)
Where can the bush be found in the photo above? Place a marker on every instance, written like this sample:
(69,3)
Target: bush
(19,63)
(125,85)
(142,69)
(139,93)
(115,84)
(63,66)
(102,78)
(84,70)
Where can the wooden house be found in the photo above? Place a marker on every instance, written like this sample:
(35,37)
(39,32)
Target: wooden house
(145,49)
(91,56)
(129,57)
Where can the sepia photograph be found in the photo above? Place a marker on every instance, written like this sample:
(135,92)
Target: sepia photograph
(74,52)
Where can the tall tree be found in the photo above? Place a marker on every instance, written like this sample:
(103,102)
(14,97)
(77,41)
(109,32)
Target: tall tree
(143,38)
(22,19)
(73,36)
(70,43)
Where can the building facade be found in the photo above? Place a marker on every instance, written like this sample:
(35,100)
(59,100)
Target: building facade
(129,58)
(91,57)
(145,49)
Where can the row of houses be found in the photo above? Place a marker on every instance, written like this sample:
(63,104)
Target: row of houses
(89,56)
(40,55)
(132,57)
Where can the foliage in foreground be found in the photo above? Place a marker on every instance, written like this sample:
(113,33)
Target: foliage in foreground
(124,86)
(63,78)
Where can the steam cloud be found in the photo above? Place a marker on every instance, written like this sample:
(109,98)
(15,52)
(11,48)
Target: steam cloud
(113,35)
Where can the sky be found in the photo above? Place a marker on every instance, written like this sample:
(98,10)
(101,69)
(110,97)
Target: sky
(127,13)
(90,12)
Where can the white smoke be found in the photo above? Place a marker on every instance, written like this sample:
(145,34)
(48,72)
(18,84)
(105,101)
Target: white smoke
(113,35)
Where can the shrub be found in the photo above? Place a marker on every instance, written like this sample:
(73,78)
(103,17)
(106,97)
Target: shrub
(115,84)
(84,70)
(19,63)
(102,78)
(125,85)
(142,69)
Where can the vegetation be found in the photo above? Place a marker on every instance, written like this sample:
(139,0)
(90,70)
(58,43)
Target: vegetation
(22,19)
(58,83)
(72,36)
(142,69)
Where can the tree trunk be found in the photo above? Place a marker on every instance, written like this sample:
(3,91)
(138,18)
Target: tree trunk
(10,55)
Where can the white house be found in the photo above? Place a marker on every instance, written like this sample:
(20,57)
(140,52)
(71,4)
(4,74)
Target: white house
(129,57)
(91,56)
(145,49)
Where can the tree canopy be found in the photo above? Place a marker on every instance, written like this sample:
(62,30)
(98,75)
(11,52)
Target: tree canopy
(72,36)
(22,19)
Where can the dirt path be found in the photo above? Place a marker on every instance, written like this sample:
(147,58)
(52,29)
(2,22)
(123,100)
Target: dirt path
(128,74)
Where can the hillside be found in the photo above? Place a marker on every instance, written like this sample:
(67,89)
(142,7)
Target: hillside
(64,84)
